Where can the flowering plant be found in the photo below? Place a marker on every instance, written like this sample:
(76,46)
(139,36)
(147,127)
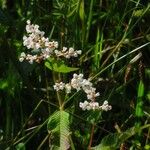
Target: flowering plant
(42,49)
(35,40)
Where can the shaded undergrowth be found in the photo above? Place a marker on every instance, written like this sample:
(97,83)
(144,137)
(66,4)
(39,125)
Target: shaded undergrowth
(115,40)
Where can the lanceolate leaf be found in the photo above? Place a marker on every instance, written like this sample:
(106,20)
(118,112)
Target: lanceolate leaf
(81,10)
(58,66)
(58,125)
(139,110)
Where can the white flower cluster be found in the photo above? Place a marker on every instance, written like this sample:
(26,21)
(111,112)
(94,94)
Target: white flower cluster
(28,57)
(95,106)
(79,83)
(35,40)
(59,86)
(68,53)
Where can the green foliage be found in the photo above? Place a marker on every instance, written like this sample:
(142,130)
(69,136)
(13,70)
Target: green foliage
(58,125)
(81,10)
(20,146)
(3,84)
(113,141)
(114,37)
(139,109)
(58,66)
(98,50)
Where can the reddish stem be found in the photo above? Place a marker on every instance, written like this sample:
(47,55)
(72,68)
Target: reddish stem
(91,137)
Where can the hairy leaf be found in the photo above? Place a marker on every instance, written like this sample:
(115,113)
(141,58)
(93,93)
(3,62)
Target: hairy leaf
(58,125)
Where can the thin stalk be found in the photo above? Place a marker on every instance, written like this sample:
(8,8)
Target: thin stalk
(91,137)
(71,143)
(47,91)
(119,60)
(89,20)
(139,19)
(42,143)
(69,99)
(116,48)
(148,135)
(145,126)
(52,30)
(82,17)
(8,118)
(23,137)
(21,113)
(123,37)
(57,93)
(79,117)
(28,120)
(139,106)
(37,130)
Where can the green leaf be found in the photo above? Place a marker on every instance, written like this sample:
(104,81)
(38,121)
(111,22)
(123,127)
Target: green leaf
(58,124)
(3,84)
(138,13)
(148,37)
(81,10)
(147,147)
(94,116)
(114,140)
(58,66)
(71,12)
(108,143)
(20,146)
(54,147)
(139,110)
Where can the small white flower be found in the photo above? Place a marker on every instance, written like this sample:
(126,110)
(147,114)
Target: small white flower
(105,103)
(105,106)
(71,50)
(88,107)
(31,61)
(59,86)
(56,44)
(23,54)
(79,52)
(68,88)
(97,94)
(64,49)
(28,22)
(37,46)
(21,59)
(84,105)
(89,96)
(75,55)
(76,81)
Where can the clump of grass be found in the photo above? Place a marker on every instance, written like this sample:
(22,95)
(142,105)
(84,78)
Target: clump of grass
(114,38)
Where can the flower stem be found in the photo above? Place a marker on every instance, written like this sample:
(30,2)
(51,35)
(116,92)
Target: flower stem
(55,78)
(91,137)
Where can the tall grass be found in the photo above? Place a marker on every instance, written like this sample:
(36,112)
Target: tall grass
(114,36)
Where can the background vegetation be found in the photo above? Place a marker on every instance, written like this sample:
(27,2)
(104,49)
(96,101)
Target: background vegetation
(114,36)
